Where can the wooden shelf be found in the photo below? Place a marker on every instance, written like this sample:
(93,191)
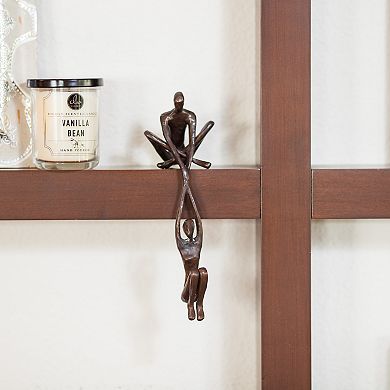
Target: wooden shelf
(153,194)
(351,193)
(126,194)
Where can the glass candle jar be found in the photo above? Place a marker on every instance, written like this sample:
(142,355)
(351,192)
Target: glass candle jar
(65,123)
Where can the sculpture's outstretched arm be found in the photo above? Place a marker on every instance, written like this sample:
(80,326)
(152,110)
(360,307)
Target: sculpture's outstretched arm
(179,213)
(198,220)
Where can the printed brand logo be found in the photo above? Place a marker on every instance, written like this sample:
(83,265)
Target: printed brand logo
(75,101)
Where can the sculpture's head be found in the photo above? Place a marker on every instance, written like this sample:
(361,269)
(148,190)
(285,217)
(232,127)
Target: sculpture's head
(178,100)
(189,228)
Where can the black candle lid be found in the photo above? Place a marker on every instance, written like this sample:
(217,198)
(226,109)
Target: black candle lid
(64,83)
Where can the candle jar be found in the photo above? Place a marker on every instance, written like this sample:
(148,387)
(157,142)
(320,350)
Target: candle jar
(65,123)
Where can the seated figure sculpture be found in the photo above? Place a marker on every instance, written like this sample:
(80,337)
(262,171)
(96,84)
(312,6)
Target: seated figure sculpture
(174,124)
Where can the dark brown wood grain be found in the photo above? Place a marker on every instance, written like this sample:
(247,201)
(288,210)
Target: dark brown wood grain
(126,194)
(351,193)
(286,196)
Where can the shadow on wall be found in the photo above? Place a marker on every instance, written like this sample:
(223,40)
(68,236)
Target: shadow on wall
(349,293)
(242,67)
(241,47)
(142,326)
(137,149)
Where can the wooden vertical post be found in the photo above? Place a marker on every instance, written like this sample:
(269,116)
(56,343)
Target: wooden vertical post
(286,194)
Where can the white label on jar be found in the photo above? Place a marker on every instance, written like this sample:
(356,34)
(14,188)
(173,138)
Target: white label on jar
(67,128)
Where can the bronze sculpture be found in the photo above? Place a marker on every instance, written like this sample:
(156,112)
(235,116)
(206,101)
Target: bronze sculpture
(173,151)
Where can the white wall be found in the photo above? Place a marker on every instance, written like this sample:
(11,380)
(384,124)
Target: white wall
(96,305)
(147,51)
(351,262)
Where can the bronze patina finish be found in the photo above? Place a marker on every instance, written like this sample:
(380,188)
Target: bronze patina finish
(174,124)
(173,151)
(196,278)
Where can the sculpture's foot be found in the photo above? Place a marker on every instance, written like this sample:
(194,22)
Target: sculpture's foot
(200,312)
(191,312)
(201,163)
(166,164)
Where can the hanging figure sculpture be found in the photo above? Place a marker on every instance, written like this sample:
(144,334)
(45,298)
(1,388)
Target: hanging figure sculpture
(195,283)
(173,151)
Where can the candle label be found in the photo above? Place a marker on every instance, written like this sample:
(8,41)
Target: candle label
(70,126)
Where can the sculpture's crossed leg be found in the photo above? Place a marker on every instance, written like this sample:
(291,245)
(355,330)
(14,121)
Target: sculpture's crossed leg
(162,148)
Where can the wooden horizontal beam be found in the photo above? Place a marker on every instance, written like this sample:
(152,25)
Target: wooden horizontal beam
(152,194)
(351,193)
(126,194)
